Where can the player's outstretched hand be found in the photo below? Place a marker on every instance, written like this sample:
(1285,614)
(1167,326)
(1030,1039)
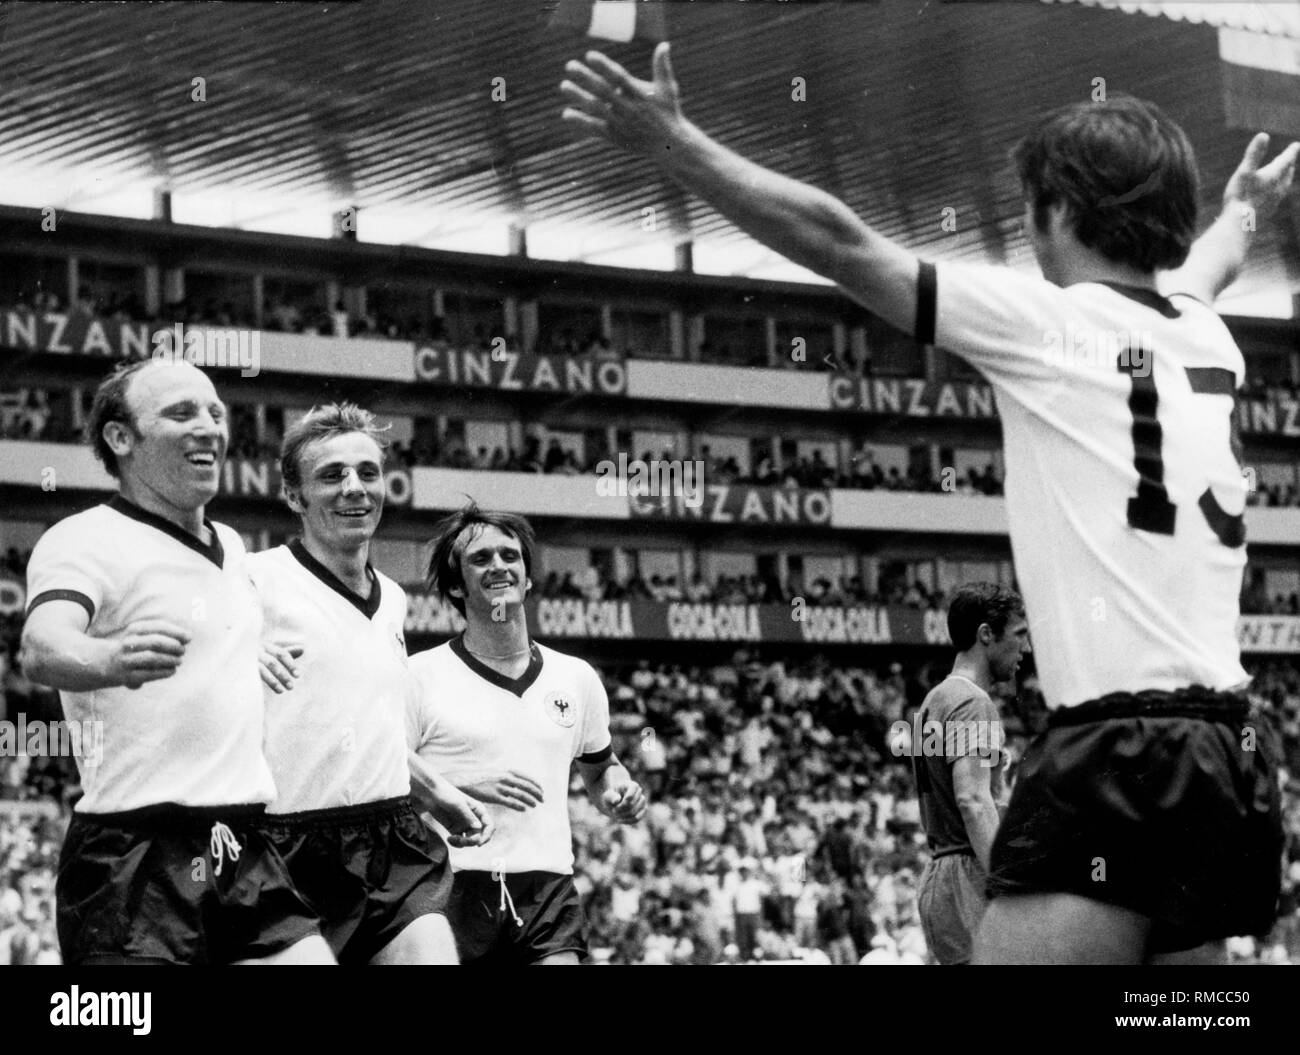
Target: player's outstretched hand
(146,650)
(607,102)
(277,667)
(625,803)
(509,788)
(1261,189)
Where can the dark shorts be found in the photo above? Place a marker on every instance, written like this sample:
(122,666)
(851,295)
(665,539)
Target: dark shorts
(1153,802)
(950,900)
(486,932)
(369,871)
(144,886)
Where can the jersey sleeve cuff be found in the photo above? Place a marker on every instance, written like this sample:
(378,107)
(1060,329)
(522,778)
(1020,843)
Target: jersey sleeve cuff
(926,303)
(592,758)
(63,595)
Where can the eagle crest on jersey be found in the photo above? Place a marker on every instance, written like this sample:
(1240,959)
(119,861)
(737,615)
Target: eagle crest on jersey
(561,709)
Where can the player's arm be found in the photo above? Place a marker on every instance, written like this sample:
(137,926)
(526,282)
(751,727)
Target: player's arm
(1252,195)
(972,784)
(57,650)
(804,224)
(467,823)
(611,788)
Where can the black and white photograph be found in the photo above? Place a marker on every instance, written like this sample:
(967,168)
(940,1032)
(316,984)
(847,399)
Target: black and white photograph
(647,483)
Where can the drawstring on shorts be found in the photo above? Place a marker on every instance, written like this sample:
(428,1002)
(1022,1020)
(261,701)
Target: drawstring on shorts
(506,899)
(223,844)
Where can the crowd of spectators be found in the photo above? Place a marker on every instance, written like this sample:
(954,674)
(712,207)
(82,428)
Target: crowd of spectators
(782,825)
(590,584)
(554,458)
(312,313)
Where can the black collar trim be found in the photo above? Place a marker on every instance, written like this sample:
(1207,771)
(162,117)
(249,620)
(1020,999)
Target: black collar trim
(518,685)
(1148,298)
(212,551)
(367,606)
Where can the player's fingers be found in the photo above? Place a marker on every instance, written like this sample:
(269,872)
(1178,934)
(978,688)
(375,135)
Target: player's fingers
(139,677)
(581,98)
(285,668)
(160,626)
(585,123)
(592,82)
(663,68)
(151,660)
(1278,166)
(1282,166)
(525,781)
(138,643)
(614,74)
(1255,152)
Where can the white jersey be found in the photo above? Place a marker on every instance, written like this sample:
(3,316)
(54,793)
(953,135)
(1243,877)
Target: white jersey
(338,737)
(194,738)
(470,720)
(1123,493)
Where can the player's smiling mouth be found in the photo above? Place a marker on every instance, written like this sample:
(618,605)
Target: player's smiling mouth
(207,459)
(355,514)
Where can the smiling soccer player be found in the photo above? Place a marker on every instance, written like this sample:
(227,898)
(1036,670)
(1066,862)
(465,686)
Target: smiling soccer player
(338,689)
(143,617)
(504,719)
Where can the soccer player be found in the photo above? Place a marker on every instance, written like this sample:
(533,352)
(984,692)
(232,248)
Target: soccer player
(337,692)
(504,718)
(956,757)
(143,617)
(1124,501)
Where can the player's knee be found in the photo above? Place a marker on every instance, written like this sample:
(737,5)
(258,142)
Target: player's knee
(312,950)
(427,940)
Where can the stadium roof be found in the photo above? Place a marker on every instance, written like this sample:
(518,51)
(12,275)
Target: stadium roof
(912,107)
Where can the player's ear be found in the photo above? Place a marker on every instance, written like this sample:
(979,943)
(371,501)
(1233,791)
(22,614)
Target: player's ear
(119,436)
(293,499)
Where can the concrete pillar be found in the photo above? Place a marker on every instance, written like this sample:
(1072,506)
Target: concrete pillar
(152,289)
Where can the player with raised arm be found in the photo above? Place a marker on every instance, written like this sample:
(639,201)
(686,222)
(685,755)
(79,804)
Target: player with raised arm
(338,688)
(957,760)
(142,615)
(504,719)
(1115,387)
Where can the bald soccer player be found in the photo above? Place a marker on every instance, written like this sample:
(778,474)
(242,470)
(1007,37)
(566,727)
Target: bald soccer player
(142,615)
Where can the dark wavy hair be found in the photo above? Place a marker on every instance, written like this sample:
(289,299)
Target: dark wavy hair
(1125,171)
(978,603)
(444,565)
